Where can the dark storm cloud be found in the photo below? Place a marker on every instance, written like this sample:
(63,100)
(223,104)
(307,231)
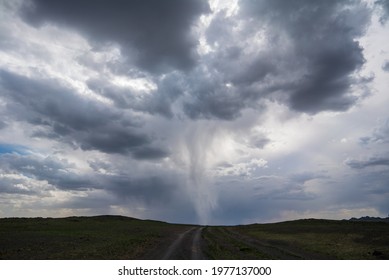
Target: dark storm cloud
(253,72)
(373,161)
(149,153)
(308,64)
(306,58)
(58,112)
(215,104)
(162,195)
(162,189)
(129,104)
(209,98)
(324,49)
(112,139)
(155,33)
(149,190)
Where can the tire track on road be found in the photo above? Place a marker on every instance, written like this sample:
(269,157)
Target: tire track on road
(187,246)
(197,252)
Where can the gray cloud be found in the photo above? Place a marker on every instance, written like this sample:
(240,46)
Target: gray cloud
(157,101)
(155,33)
(165,114)
(208,96)
(259,141)
(3,124)
(323,48)
(385,66)
(307,58)
(162,195)
(149,153)
(10,185)
(379,135)
(369,188)
(53,170)
(254,71)
(47,102)
(63,175)
(151,190)
(210,106)
(385,6)
(313,74)
(62,114)
(373,161)
(306,176)
(259,198)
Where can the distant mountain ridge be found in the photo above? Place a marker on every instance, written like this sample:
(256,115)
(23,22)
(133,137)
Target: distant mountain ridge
(370,219)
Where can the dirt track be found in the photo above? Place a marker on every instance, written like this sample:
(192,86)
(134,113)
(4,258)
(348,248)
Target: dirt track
(187,246)
(198,243)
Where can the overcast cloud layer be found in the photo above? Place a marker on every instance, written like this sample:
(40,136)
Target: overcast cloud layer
(218,112)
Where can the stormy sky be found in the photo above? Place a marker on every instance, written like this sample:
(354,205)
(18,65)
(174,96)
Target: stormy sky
(196,111)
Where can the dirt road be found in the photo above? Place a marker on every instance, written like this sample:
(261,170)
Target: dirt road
(199,243)
(187,246)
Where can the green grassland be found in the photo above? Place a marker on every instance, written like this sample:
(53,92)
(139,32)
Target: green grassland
(326,238)
(101,237)
(117,237)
